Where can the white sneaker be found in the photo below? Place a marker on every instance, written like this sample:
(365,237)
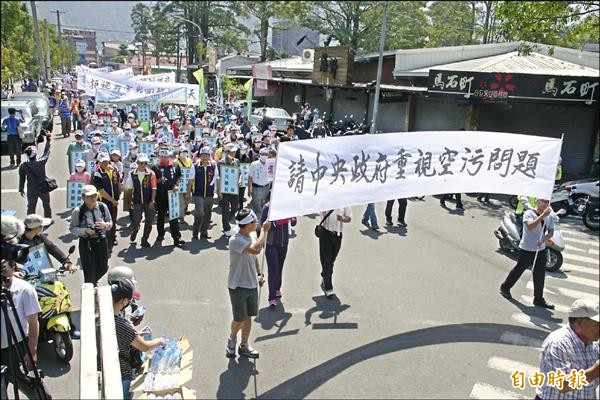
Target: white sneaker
(228,233)
(329,293)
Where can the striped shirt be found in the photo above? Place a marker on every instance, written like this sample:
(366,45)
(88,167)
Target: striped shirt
(565,350)
(125,336)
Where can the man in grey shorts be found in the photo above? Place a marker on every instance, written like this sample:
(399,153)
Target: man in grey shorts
(243,282)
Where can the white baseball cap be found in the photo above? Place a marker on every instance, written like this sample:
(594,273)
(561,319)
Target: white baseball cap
(143,157)
(89,190)
(584,308)
(103,157)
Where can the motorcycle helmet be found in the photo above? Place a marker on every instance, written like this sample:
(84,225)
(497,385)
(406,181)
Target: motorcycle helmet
(121,272)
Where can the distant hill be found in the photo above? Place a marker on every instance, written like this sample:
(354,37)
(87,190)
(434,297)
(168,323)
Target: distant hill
(102,16)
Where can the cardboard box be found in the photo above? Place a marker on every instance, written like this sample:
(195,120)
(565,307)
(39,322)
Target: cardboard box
(185,370)
(186,393)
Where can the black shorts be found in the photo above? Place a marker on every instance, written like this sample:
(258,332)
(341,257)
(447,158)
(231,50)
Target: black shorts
(244,303)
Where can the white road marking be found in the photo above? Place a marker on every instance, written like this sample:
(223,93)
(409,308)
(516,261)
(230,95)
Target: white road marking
(576,235)
(590,242)
(573,248)
(594,252)
(575,257)
(593,283)
(576,294)
(509,366)
(520,340)
(559,307)
(578,268)
(485,391)
(536,322)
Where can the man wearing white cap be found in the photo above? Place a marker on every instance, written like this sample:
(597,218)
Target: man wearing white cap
(167,178)
(78,146)
(114,127)
(128,165)
(142,185)
(203,178)
(258,181)
(90,222)
(108,183)
(183,160)
(229,202)
(574,351)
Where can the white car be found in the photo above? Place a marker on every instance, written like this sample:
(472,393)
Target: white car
(279,116)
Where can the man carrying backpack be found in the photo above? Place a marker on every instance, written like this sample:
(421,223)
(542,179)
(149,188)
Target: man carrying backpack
(90,223)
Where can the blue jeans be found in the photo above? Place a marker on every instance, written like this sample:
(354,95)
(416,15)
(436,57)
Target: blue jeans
(126,384)
(369,215)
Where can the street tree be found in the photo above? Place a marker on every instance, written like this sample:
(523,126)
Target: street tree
(563,23)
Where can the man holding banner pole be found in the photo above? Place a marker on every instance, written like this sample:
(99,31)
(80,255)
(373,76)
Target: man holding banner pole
(532,251)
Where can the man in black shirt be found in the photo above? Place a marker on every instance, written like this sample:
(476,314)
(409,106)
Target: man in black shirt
(167,178)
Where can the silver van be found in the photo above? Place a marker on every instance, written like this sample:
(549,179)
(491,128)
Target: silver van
(31,128)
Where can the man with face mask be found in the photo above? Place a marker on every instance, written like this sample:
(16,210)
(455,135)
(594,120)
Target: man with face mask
(253,152)
(33,170)
(203,178)
(78,146)
(128,165)
(258,182)
(131,121)
(183,160)
(229,202)
(92,154)
(142,185)
(167,178)
(139,134)
(107,182)
(89,128)
(126,135)
(114,129)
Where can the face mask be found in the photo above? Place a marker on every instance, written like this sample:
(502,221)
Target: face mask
(95,146)
(114,124)
(257,146)
(127,131)
(130,119)
(183,155)
(133,151)
(80,140)
(263,159)
(79,169)
(139,134)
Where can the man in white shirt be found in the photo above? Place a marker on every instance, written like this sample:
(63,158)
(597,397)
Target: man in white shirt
(26,303)
(330,241)
(258,181)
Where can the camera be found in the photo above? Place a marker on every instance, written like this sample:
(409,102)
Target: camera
(100,232)
(14,252)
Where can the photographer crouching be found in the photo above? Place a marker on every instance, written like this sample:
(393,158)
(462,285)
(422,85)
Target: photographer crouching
(19,311)
(90,222)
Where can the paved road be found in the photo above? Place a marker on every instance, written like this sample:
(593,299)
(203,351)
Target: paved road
(417,312)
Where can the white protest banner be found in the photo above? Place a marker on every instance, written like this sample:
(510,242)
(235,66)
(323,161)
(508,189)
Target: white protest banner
(322,174)
(84,74)
(37,260)
(74,190)
(160,95)
(173,204)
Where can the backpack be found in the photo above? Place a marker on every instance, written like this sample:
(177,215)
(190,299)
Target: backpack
(82,209)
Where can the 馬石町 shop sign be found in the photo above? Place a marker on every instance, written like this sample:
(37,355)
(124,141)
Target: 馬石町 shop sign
(501,86)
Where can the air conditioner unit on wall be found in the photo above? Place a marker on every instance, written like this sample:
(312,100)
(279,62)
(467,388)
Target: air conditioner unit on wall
(308,55)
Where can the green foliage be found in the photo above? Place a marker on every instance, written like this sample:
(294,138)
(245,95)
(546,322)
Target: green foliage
(452,23)
(563,23)
(19,51)
(123,50)
(229,85)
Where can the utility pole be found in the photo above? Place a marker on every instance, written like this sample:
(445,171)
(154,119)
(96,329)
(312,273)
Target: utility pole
(379,68)
(48,65)
(58,12)
(38,41)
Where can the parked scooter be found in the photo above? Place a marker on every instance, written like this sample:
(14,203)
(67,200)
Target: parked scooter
(589,208)
(55,303)
(509,239)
